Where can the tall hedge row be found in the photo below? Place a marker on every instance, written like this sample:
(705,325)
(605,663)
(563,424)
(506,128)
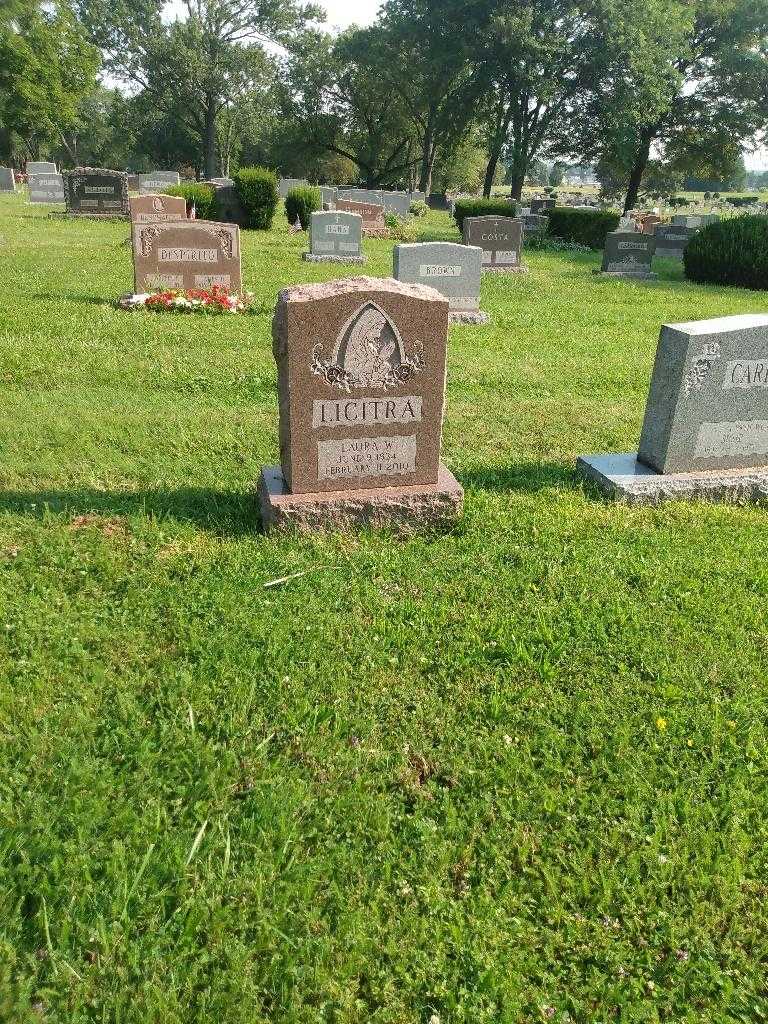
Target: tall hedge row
(482,208)
(257,191)
(731,252)
(586,227)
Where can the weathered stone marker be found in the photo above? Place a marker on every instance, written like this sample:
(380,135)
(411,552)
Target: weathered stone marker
(628,254)
(335,237)
(500,238)
(705,430)
(96,192)
(449,267)
(41,167)
(157,209)
(372,214)
(285,185)
(186,254)
(701,220)
(155,181)
(534,224)
(7,179)
(46,188)
(538,206)
(672,239)
(361,383)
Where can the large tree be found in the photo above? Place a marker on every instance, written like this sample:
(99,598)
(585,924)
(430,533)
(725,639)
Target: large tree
(691,77)
(200,64)
(47,67)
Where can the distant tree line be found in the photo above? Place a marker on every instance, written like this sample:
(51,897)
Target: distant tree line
(434,94)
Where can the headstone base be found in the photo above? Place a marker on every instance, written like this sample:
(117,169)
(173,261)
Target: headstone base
(628,276)
(623,478)
(669,254)
(311,257)
(405,509)
(468,316)
(505,270)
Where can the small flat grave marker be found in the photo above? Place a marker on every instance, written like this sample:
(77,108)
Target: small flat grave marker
(361,383)
(335,237)
(705,430)
(501,240)
(186,254)
(449,267)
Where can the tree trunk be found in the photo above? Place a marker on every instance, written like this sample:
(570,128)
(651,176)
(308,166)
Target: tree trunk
(209,142)
(638,168)
(427,159)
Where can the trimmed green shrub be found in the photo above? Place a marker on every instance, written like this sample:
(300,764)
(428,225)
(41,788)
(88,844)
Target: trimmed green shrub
(257,191)
(418,208)
(731,252)
(482,208)
(402,229)
(203,196)
(301,202)
(582,226)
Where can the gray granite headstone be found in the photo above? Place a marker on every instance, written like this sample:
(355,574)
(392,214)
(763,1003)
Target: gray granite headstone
(41,167)
(393,202)
(335,237)
(328,196)
(500,238)
(133,183)
(705,430)
(7,180)
(450,268)
(96,192)
(672,239)
(285,185)
(695,220)
(46,188)
(628,254)
(534,224)
(156,181)
(540,205)
(437,201)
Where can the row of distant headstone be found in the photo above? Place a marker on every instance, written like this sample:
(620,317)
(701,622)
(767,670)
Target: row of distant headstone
(90,191)
(629,251)
(392,201)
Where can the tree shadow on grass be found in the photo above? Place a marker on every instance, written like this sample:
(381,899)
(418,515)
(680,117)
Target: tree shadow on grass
(220,513)
(522,477)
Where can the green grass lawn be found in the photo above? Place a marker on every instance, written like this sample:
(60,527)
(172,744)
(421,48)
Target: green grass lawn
(510,774)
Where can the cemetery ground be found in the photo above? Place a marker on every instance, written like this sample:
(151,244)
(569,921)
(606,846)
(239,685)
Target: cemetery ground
(515,772)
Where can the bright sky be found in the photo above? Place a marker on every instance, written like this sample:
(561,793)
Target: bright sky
(350,12)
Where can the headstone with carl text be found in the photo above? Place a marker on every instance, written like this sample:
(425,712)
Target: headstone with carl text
(186,254)
(361,387)
(449,267)
(705,429)
(96,192)
(500,238)
(335,237)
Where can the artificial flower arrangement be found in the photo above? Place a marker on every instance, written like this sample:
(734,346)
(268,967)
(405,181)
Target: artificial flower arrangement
(216,299)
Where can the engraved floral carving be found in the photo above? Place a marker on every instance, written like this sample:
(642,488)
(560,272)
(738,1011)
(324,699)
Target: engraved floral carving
(368,354)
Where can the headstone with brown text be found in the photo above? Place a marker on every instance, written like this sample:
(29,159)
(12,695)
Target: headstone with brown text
(157,209)
(372,214)
(186,254)
(361,385)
